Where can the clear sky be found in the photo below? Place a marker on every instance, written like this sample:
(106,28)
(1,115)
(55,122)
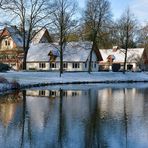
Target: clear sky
(138,7)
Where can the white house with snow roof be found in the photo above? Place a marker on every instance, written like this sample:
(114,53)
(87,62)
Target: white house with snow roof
(111,56)
(45,56)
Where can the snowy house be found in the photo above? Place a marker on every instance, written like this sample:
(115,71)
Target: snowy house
(111,56)
(44,56)
(11,46)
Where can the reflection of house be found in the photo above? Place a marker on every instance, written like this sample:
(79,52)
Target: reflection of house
(7,111)
(53,93)
(11,45)
(38,109)
(8,107)
(110,56)
(45,56)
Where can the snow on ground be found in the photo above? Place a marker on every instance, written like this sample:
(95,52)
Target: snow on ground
(31,78)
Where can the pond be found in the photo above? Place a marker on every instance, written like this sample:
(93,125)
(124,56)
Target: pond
(75,116)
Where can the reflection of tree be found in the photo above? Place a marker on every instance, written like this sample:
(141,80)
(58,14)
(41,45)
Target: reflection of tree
(91,125)
(125,118)
(61,120)
(30,132)
(24,124)
(23,118)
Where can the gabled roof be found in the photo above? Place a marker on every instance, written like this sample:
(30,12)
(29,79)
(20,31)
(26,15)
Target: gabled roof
(15,35)
(74,51)
(39,52)
(133,54)
(40,34)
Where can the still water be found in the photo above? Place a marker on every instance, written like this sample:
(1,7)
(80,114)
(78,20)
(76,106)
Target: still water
(83,116)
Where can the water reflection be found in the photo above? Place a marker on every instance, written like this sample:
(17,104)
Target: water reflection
(94,117)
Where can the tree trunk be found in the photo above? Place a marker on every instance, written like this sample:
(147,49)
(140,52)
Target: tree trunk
(126,47)
(90,62)
(125,59)
(61,60)
(24,60)
(92,49)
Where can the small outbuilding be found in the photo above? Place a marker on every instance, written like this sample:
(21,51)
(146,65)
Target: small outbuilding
(112,56)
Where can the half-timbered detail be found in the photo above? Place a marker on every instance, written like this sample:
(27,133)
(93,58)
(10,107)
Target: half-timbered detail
(11,47)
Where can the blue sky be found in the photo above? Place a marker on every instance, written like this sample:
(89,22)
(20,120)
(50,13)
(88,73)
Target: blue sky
(138,7)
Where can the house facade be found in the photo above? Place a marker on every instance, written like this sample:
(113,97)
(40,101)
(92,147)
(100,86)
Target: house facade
(76,55)
(117,56)
(11,45)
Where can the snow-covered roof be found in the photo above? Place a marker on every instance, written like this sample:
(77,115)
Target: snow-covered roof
(133,54)
(39,36)
(74,51)
(39,52)
(77,51)
(15,35)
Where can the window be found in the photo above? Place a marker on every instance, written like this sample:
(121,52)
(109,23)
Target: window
(74,93)
(86,65)
(52,93)
(6,42)
(13,65)
(52,65)
(65,65)
(65,93)
(94,65)
(41,93)
(129,67)
(76,65)
(42,65)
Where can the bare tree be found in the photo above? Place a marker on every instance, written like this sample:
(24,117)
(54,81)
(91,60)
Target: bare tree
(30,14)
(126,32)
(64,23)
(97,15)
(143,36)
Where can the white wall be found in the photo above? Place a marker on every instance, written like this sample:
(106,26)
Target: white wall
(35,66)
(70,65)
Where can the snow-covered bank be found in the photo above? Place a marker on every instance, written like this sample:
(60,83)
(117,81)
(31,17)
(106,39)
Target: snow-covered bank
(45,78)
